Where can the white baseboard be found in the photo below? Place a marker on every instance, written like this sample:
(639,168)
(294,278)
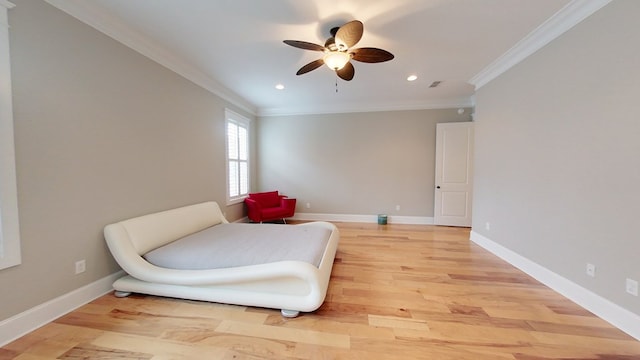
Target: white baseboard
(27,321)
(391,219)
(616,315)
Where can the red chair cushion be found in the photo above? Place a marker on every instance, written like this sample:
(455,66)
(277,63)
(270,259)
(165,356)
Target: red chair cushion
(267,199)
(274,213)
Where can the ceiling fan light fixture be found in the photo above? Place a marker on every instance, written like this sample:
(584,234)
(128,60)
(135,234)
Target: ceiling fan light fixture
(336,60)
(338,51)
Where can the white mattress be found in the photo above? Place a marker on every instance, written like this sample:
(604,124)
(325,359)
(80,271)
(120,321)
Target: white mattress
(231,245)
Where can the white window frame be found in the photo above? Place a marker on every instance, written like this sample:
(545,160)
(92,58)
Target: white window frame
(9,225)
(236,119)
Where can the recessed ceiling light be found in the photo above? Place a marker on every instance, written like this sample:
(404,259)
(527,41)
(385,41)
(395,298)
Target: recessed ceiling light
(280,87)
(412,77)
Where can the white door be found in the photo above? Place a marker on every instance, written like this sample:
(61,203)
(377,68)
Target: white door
(454,174)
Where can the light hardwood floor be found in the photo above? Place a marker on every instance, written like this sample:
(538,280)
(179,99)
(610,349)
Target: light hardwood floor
(396,292)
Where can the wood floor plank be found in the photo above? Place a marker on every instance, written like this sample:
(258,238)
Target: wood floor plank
(281,333)
(333,325)
(150,345)
(31,357)
(398,323)
(88,351)
(396,292)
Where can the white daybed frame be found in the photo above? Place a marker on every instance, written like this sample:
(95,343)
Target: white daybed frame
(291,286)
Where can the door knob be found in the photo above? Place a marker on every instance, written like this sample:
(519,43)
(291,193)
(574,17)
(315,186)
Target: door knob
(438,187)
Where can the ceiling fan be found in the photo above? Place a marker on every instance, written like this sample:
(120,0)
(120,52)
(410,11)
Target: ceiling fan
(338,51)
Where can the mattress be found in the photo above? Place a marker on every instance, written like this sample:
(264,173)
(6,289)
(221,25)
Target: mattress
(232,245)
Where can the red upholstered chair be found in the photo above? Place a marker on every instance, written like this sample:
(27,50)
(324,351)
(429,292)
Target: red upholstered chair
(268,206)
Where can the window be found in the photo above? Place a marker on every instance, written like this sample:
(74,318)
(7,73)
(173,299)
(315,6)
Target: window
(237,128)
(9,229)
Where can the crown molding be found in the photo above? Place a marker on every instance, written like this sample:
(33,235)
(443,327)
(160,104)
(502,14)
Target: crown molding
(7,4)
(566,18)
(452,103)
(92,16)
(88,14)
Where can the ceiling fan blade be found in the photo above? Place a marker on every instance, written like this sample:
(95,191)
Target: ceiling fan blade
(310,66)
(304,45)
(349,34)
(347,72)
(371,55)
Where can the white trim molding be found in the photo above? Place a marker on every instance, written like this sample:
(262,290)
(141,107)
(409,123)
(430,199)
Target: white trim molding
(411,220)
(569,16)
(27,321)
(8,5)
(10,254)
(619,317)
(451,103)
(87,12)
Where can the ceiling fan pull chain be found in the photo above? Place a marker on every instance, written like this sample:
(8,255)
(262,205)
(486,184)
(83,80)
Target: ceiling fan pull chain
(336,83)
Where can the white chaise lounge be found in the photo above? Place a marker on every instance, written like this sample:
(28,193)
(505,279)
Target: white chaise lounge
(189,239)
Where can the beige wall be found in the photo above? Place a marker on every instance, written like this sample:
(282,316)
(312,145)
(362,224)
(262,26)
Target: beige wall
(102,134)
(357,163)
(558,154)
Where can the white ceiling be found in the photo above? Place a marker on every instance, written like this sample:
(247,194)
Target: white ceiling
(234,47)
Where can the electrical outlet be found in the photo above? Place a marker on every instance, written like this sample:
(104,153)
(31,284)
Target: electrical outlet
(487,225)
(397,207)
(632,287)
(591,270)
(308,205)
(81,266)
